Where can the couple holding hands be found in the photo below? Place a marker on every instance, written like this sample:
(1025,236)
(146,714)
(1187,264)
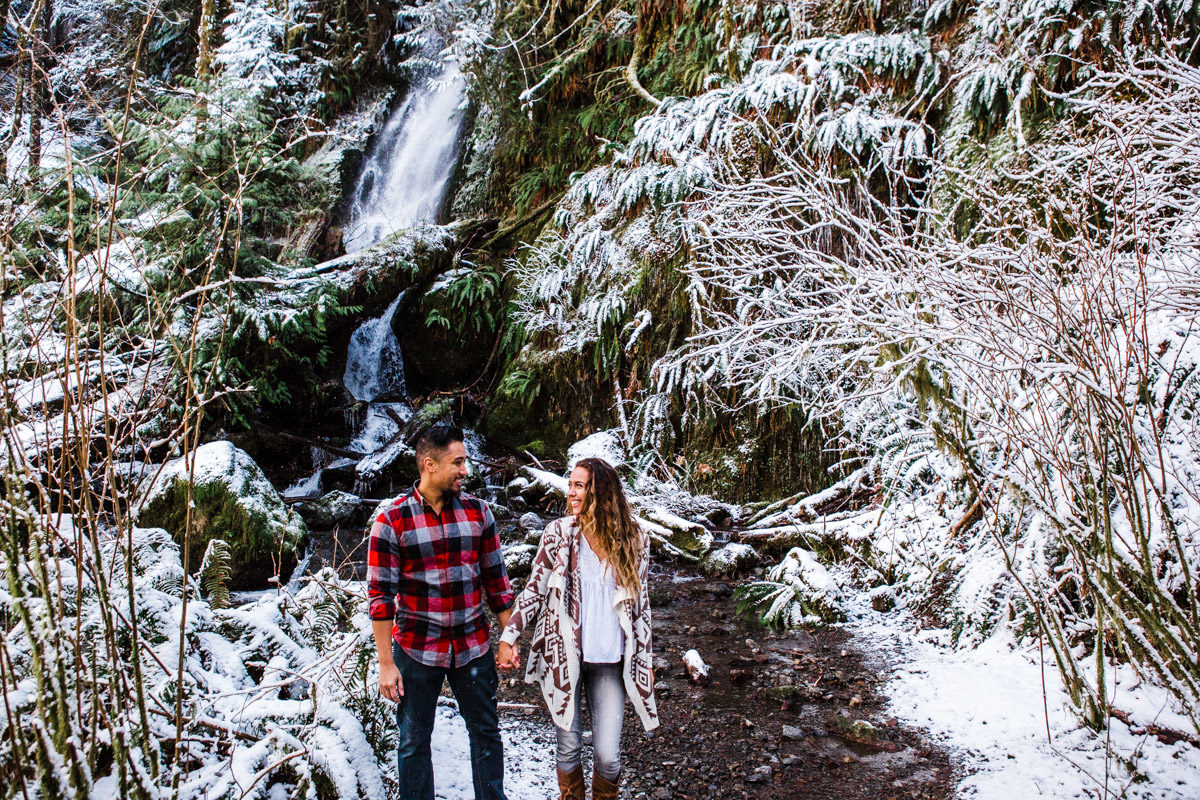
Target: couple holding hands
(434,559)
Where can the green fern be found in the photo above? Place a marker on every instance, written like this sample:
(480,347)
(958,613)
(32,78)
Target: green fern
(215,571)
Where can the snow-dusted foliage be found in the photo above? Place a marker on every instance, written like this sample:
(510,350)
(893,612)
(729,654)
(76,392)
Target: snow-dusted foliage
(798,591)
(122,681)
(602,286)
(1029,352)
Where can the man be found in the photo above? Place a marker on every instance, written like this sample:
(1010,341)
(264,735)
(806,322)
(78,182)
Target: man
(434,556)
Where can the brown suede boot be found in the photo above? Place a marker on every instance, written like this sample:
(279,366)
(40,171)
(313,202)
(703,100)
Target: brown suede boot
(570,784)
(602,789)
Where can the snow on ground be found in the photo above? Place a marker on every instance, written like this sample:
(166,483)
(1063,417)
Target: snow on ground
(989,705)
(529,762)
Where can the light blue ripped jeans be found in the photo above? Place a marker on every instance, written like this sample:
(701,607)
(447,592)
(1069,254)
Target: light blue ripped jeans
(606,700)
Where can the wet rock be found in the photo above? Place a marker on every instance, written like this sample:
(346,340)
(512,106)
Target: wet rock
(335,508)
(761,774)
(718,517)
(340,475)
(501,512)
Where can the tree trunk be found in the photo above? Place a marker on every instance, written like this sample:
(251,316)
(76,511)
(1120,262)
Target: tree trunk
(36,80)
(208,11)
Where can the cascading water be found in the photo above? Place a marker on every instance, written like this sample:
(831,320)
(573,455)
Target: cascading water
(374,363)
(403,183)
(407,172)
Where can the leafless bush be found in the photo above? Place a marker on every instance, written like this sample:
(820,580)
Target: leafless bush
(1040,312)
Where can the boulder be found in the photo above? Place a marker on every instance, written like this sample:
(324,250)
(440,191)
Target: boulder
(730,561)
(604,445)
(232,500)
(518,560)
(335,508)
(531,523)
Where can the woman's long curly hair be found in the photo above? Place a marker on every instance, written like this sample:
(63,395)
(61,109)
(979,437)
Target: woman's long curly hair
(606,517)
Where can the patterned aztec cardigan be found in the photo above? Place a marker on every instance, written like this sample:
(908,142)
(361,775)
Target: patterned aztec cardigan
(552,597)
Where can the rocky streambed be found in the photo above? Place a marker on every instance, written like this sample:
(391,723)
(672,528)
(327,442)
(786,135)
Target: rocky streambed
(794,714)
(781,714)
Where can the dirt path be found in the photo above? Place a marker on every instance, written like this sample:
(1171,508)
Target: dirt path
(790,715)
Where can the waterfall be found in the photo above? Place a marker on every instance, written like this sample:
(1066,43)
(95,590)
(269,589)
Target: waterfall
(403,183)
(374,364)
(406,174)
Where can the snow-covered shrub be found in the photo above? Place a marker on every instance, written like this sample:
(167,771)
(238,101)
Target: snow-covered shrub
(797,591)
(121,680)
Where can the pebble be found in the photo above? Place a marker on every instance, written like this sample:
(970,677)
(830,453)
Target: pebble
(760,775)
(792,732)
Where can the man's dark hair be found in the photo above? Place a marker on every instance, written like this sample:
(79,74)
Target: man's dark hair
(436,439)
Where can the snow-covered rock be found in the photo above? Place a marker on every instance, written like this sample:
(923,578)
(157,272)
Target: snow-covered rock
(733,559)
(231,499)
(335,508)
(518,559)
(603,444)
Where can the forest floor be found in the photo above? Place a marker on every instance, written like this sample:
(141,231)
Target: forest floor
(794,714)
(791,714)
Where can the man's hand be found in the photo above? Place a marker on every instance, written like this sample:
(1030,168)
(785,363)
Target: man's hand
(506,657)
(391,685)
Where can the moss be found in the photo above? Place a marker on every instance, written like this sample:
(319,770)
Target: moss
(253,538)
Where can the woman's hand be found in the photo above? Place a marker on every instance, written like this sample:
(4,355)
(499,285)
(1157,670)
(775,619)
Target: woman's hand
(506,657)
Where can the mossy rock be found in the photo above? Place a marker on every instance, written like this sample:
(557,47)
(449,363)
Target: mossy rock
(233,500)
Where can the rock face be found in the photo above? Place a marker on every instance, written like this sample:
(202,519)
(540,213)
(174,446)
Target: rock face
(445,345)
(233,501)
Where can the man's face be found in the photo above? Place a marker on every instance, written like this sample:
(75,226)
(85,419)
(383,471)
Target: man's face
(446,470)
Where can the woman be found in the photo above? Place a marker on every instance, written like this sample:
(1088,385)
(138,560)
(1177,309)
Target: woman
(587,592)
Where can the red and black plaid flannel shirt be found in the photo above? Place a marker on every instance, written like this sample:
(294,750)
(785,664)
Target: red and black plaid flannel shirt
(430,572)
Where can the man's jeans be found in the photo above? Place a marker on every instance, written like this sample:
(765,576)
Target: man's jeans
(474,686)
(606,700)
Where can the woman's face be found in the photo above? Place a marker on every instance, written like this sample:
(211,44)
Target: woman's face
(577,489)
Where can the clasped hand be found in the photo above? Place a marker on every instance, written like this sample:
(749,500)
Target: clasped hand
(506,657)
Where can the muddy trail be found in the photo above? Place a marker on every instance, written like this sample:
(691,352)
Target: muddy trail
(791,714)
(794,714)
